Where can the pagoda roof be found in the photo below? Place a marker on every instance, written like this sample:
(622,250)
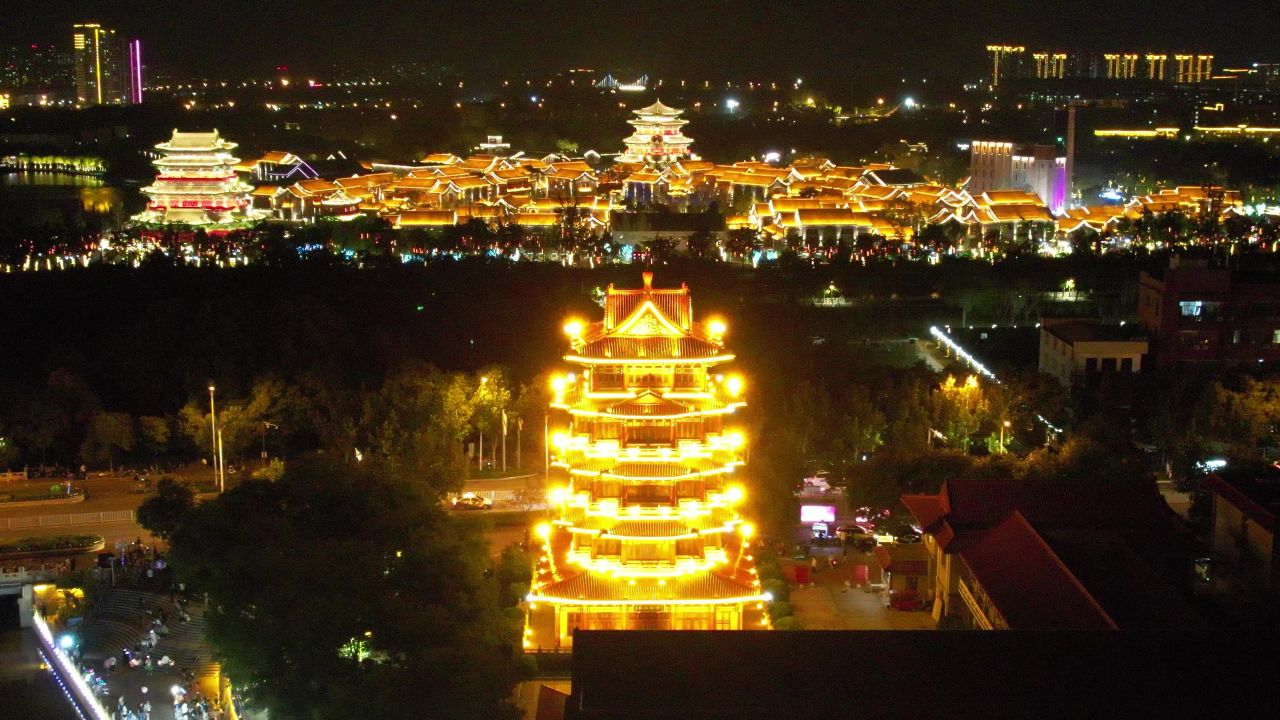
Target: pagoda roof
(657,108)
(649,403)
(599,588)
(195,141)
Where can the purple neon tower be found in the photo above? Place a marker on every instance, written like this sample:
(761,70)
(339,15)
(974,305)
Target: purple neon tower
(135,71)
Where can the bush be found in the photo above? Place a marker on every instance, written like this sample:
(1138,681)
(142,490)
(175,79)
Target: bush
(770,571)
(779,609)
(790,622)
(777,589)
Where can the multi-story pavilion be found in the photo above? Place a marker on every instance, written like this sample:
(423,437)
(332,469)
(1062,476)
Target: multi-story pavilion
(647,533)
(196,182)
(658,139)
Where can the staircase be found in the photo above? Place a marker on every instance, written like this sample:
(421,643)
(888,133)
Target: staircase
(118,622)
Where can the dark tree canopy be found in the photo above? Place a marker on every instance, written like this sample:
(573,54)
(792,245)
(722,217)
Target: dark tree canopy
(338,592)
(163,512)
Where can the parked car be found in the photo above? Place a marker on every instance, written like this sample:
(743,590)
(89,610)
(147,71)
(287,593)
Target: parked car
(905,600)
(471,501)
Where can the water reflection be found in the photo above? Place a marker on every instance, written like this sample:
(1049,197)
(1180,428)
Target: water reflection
(33,191)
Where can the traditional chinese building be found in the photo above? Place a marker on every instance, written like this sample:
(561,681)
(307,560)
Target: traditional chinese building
(658,139)
(647,534)
(196,182)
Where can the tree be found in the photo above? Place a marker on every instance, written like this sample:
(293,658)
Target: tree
(701,245)
(153,435)
(162,513)
(660,249)
(109,433)
(341,592)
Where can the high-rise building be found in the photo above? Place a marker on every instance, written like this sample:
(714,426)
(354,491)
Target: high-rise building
(647,534)
(108,70)
(1006,62)
(1050,64)
(1122,66)
(1193,68)
(658,139)
(1001,165)
(34,68)
(196,182)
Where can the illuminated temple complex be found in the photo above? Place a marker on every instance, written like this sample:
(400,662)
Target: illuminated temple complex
(646,533)
(196,182)
(658,139)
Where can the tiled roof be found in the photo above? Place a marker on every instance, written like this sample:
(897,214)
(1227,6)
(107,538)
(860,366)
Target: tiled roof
(649,347)
(1027,582)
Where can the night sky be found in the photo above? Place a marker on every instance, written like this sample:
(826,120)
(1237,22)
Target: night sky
(818,38)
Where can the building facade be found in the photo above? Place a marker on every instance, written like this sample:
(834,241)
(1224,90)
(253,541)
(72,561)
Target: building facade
(101,65)
(1075,352)
(1001,165)
(658,138)
(196,182)
(647,533)
(1200,314)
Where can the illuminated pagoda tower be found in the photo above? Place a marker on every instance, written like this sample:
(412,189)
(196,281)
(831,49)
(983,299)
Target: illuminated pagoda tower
(646,533)
(658,139)
(196,182)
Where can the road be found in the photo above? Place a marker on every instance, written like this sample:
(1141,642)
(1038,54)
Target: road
(122,493)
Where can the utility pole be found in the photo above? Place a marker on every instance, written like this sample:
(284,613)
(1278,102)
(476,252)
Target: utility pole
(546,446)
(213,438)
(519,430)
(504,440)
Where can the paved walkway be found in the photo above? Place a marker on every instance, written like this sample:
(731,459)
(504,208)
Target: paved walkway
(828,604)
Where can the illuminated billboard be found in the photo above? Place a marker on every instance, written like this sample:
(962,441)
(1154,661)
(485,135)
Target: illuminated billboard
(817,513)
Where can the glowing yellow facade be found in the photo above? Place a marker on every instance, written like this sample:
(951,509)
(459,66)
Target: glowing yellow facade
(646,532)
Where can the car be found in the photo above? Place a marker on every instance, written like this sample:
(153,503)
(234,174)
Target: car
(907,538)
(471,501)
(865,544)
(849,533)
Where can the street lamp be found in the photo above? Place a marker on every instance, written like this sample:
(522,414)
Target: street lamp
(213,439)
(1003,426)
(484,380)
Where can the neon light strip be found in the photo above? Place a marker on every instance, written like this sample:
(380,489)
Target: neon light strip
(648,361)
(708,601)
(726,410)
(68,670)
(963,354)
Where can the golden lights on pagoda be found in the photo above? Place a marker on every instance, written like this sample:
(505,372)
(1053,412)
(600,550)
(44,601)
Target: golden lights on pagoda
(646,531)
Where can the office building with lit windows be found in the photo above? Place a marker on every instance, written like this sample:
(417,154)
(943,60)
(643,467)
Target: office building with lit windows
(646,532)
(108,69)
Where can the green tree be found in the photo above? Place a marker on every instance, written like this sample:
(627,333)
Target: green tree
(162,513)
(342,592)
(108,435)
(153,436)
(701,245)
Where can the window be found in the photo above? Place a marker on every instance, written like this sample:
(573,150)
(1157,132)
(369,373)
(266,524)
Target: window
(1200,309)
(1192,340)
(913,582)
(1108,365)
(1126,365)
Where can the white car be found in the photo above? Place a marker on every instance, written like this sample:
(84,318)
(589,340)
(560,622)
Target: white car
(471,501)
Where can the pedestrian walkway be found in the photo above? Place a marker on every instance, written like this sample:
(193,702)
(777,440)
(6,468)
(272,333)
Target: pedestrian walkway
(122,618)
(833,602)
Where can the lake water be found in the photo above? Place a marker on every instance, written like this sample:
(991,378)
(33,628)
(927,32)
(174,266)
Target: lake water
(39,198)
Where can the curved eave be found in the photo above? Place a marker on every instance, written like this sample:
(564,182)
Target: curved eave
(536,598)
(583,412)
(712,360)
